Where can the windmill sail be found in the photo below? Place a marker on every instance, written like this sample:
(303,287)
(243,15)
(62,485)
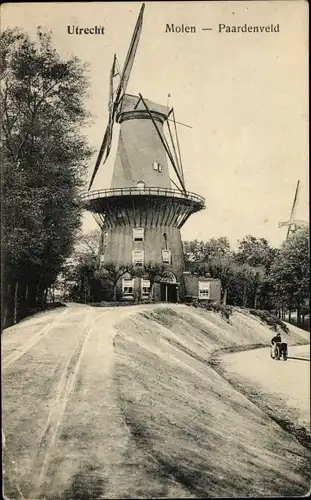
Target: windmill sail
(293,212)
(129,61)
(114,103)
(106,143)
(295,202)
(293,224)
(113,73)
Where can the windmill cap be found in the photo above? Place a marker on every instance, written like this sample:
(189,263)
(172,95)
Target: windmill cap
(130,103)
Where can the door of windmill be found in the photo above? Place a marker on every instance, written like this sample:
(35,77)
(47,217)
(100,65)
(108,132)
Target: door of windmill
(169,292)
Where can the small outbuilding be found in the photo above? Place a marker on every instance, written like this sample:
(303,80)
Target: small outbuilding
(202,287)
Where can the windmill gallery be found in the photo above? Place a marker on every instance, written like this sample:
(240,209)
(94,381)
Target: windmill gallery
(141,214)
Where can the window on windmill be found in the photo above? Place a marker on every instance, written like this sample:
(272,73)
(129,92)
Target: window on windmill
(157,166)
(127,287)
(204,290)
(140,185)
(145,287)
(138,257)
(166,256)
(138,233)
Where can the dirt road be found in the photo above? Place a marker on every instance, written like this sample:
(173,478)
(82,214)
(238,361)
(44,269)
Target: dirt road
(287,379)
(59,401)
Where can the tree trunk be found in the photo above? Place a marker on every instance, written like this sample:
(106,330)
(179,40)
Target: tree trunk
(114,292)
(298,312)
(8,299)
(32,293)
(15,302)
(21,306)
(224,298)
(41,294)
(289,315)
(255,299)
(151,291)
(244,296)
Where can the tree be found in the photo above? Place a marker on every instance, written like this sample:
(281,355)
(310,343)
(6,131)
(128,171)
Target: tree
(193,250)
(224,268)
(247,283)
(290,273)
(217,247)
(256,256)
(152,272)
(44,159)
(88,243)
(111,273)
(197,251)
(77,278)
(220,267)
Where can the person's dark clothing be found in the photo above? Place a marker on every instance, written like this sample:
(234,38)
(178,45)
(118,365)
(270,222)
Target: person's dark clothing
(275,339)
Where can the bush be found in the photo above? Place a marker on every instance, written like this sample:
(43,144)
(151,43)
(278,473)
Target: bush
(118,303)
(269,319)
(224,311)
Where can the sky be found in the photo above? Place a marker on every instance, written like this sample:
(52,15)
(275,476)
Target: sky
(245,95)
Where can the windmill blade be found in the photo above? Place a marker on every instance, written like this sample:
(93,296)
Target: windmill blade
(125,75)
(113,73)
(178,148)
(173,146)
(294,202)
(106,144)
(99,157)
(165,145)
(113,104)
(129,60)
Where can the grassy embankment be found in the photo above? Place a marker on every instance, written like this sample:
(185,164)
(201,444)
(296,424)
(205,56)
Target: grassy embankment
(202,431)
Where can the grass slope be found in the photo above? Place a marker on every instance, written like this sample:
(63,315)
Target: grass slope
(201,431)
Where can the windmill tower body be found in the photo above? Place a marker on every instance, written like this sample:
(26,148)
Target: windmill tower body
(141,171)
(141,214)
(139,145)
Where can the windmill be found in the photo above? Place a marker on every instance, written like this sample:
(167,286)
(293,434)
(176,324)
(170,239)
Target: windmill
(142,212)
(293,224)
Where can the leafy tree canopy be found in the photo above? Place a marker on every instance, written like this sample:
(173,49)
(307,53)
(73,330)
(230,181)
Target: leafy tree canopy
(44,158)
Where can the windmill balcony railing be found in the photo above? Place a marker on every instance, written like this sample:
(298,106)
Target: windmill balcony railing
(149,191)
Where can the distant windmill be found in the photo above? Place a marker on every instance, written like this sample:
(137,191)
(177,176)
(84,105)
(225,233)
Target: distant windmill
(293,224)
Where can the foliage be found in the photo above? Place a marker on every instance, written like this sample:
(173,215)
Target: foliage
(44,159)
(110,274)
(254,258)
(223,310)
(269,319)
(153,272)
(290,272)
(77,280)
(83,279)
(197,251)
(256,275)
(255,252)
